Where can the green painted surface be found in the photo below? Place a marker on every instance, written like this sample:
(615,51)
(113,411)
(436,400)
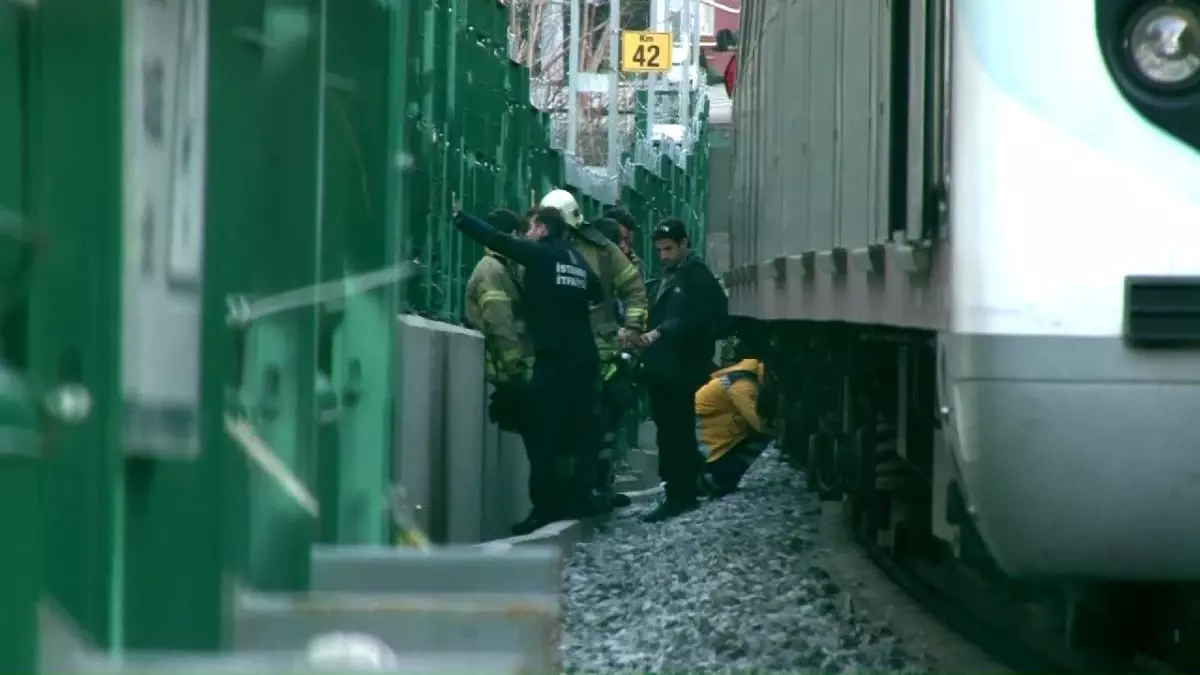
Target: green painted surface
(74,76)
(337,131)
(355,240)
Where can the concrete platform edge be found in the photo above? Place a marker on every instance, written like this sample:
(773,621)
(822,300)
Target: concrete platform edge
(565,533)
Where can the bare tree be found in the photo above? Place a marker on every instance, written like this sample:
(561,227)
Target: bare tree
(548,70)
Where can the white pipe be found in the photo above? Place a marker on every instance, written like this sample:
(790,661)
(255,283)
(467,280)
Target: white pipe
(573,83)
(723,8)
(652,78)
(710,3)
(685,65)
(614,84)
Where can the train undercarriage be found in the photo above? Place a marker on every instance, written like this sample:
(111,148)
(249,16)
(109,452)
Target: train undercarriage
(856,407)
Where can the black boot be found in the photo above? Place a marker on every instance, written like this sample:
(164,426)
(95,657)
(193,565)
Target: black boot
(536,520)
(670,508)
(709,488)
(721,493)
(595,504)
(620,500)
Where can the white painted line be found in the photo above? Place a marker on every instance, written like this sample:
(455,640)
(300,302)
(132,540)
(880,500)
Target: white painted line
(647,495)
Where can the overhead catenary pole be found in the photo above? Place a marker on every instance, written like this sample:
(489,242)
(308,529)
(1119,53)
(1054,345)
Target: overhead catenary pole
(614,85)
(573,83)
(695,64)
(685,66)
(656,10)
(695,56)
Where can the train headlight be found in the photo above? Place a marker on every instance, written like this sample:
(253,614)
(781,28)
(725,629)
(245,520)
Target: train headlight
(1164,46)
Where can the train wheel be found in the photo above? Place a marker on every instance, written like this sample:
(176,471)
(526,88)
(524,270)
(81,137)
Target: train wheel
(793,441)
(849,462)
(823,466)
(905,542)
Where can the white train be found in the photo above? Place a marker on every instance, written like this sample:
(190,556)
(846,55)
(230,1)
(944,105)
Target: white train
(975,227)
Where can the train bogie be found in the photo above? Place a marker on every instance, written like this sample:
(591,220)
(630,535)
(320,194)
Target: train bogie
(973,232)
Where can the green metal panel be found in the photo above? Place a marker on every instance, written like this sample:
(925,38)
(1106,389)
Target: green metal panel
(337,131)
(75,65)
(21,584)
(20,589)
(355,240)
(172,553)
(235,206)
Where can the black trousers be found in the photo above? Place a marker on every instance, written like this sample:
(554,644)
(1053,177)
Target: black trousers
(723,474)
(617,396)
(673,406)
(562,425)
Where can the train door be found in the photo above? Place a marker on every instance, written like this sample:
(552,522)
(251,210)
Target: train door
(920,164)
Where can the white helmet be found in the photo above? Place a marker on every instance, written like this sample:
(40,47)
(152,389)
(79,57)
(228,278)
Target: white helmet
(564,202)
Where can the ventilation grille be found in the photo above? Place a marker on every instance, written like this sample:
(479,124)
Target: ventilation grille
(1162,311)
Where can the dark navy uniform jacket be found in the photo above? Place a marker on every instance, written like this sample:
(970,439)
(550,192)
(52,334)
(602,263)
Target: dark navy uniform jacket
(559,290)
(682,310)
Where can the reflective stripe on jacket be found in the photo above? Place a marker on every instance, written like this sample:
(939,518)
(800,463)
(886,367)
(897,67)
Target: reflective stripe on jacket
(492,305)
(622,282)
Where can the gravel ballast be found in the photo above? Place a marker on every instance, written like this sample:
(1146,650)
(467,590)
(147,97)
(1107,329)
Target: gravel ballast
(733,586)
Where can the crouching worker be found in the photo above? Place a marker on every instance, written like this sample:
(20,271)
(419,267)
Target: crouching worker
(729,429)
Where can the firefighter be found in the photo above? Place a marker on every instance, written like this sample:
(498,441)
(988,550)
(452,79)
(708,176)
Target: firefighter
(622,283)
(611,230)
(558,291)
(492,307)
(729,429)
(628,225)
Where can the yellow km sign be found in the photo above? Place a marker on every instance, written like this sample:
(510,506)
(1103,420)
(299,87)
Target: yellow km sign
(645,52)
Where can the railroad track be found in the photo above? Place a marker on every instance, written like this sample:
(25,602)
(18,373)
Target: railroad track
(1014,634)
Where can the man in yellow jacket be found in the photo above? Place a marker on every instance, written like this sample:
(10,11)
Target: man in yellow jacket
(728,426)
(492,307)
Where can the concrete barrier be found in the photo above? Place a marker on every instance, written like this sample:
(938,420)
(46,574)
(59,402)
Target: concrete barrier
(467,425)
(420,396)
(523,627)
(469,569)
(465,478)
(514,474)
(505,482)
(497,610)
(293,663)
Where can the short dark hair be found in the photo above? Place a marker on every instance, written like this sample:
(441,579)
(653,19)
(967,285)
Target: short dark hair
(508,222)
(622,216)
(670,228)
(552,218)
(609,227)
(752,339)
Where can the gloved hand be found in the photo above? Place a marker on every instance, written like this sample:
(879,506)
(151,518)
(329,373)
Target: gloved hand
(620,391)
(507,406)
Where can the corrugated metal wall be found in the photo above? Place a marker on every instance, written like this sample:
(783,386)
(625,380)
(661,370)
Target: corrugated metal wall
(720,202)
(811,126)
